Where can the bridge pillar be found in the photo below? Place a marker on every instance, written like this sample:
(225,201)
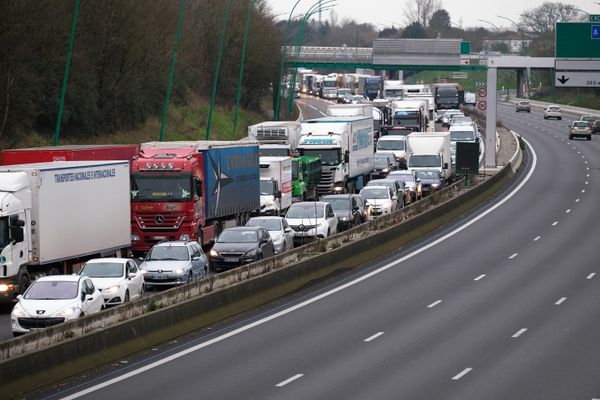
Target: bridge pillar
(521,79)
(490,118)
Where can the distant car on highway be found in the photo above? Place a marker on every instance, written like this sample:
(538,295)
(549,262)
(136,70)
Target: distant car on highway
(343,94)
(523,106)
(346,209)
(580,129)
(379,200)
(311,220)
(358,99)
(590,119)
(431,180)
(52,300)
(596,127)
(552,111)
(410,180)
(401,192)
(118,279)
(174,263)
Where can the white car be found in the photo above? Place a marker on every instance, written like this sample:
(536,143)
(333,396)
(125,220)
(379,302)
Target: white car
(278,228)
(52,300)
(552,111)
(118,279)
(311,219)
(379,200)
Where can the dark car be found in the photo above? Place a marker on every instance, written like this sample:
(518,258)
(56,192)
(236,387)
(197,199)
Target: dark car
(431,180)
(523,106)
(346,208)
(240,245)
(596,127)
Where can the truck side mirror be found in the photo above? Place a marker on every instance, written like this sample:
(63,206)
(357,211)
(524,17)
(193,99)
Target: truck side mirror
(278,194)
(198,184)
(346,156)
(445,165)
(15,226)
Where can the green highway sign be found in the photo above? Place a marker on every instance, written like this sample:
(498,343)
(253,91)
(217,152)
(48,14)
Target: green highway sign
(594,18)
(577,40)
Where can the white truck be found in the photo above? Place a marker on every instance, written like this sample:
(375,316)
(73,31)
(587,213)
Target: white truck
(56,215)
(409,116)
(275,185)
(345,145)
(430,150)
(393,89)
(329,87)
(276,138)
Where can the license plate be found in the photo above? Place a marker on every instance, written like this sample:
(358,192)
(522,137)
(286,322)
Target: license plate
(230,259)
(159,237)
(160,277)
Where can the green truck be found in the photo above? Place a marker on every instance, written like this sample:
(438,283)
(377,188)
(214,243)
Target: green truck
(306,175)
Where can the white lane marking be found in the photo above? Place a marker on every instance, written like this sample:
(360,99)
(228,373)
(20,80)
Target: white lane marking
(513,256)
(590,276)
(568,210)
(587,175)
(375,336)
(560,301)
(582,190)
(577,200)
(587,183)
(519,333)
(435,303)
(555,223)
(537,238)
(480,277)
(312,300)
(463,373)
(289,380)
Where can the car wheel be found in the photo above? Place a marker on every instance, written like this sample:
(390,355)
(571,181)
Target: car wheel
(559,118)
(24,282)
(589,137)
(545,117)
(570,137)
(126,299)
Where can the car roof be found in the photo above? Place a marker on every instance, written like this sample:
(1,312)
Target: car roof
(376,187)
(107,259)
(62,278)
(267,217)
(243,228)
(336,196)
(173,243)
(313,203)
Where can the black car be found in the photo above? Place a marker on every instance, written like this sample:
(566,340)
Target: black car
(346,208)
(240,245)
(431,180)
(596,127)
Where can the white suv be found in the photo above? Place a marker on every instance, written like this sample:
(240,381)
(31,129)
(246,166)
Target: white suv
(552,111)
(311,219)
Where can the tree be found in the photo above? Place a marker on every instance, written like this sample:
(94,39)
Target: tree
(390,32)
(543,19)
(414,31)
(440,21)
(421,11)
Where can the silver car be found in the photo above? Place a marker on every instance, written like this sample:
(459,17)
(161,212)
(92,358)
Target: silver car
(278,228)
(174,263)
(311,220)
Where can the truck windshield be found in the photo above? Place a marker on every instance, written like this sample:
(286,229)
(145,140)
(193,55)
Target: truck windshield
(329,84)
(425,161)
(266,187)
(4,236)
(328,156)
(393,92)
(461,136)
(406,118)
(391,145)
(161,186)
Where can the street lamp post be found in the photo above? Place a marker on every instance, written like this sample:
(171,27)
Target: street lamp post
(239,88)
(489,23)
(521,31)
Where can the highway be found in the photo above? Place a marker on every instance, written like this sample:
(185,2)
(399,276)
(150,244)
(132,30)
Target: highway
(501,305)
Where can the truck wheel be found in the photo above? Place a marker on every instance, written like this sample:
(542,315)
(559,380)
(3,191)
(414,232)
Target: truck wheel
(24,281)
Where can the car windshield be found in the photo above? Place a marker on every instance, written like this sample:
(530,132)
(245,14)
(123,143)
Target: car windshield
(171,253)
(375,193)
(307,210)
(524,103)
(103,270)
(391,145)
(238,236)
(381,162)
(338,203)
(270,224)
(52,290)
(427,175)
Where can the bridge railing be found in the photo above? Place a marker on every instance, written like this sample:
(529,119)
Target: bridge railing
(331,54)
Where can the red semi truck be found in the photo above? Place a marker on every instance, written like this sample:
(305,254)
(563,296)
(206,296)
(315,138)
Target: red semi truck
(192,190)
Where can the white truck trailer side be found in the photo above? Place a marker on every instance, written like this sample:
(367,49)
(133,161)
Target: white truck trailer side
(54,215)
(275,185)
(430,150)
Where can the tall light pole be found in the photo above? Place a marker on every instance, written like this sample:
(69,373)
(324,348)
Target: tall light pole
(521,31)
(489,23)
(280,89)
(239,88)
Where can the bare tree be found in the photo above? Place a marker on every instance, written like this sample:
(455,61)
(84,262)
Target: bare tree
(542,19)
(421,11)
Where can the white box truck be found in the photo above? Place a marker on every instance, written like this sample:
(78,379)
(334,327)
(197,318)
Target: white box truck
(430,150)
(275,185)
(276,137)
(345,145)
(55,215)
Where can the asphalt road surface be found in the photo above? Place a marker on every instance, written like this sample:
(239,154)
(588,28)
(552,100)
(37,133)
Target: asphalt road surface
(501,305)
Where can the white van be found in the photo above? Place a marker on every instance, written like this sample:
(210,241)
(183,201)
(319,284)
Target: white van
(394,144)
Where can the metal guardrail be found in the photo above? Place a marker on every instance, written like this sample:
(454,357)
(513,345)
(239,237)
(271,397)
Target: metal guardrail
(330,54)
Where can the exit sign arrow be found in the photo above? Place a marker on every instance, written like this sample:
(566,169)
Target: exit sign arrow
(562,79)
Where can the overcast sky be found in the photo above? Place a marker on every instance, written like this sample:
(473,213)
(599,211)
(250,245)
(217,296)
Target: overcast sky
(464,13)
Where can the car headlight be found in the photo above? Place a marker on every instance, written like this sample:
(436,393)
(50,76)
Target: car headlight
(251,253)
(385,170)
(435,185)
(345,218)
(67,312)
(134,237)
(185,237)
(144,270)
(213,253)
(179,271)
(111,290)
(18,311)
